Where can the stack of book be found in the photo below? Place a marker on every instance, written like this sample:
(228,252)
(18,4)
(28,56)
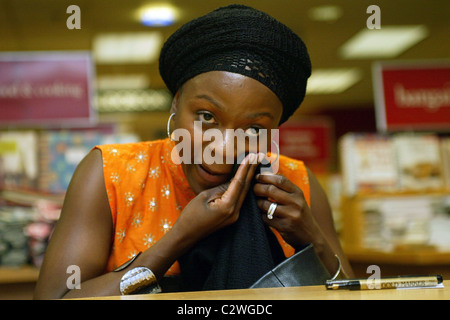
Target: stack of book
(14,250)
(35,171)
(392,222)
(401,162)
(368,163)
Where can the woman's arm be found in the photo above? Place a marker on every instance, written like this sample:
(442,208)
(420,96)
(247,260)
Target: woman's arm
(83,238)
(84,232)
(322,213)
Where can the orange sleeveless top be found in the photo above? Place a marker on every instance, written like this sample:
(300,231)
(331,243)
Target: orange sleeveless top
(147,192)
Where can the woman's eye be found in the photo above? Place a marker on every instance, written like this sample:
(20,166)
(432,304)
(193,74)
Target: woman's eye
(207,118)
(253,131)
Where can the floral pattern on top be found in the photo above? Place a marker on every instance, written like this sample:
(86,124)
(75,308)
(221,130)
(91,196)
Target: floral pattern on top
(147,192)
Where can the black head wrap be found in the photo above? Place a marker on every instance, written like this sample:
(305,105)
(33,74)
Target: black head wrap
(242,40)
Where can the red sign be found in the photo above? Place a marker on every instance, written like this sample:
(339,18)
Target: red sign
(412,96)
(309,140)
(45,88)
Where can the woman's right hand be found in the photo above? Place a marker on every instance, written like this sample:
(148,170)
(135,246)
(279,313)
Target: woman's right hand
(218,207)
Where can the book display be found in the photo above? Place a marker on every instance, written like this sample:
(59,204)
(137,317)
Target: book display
(445,153)
(419,162)
(14,249)
(19,159)
(61,153)
(35,171)
(395,206)
(393,163)
(387,222)
(368,163)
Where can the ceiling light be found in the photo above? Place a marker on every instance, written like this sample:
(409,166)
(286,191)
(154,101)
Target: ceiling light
(387,42)
(123,81)
(329,81)
(122,48)
(327,13)
(158,15)
(132,100)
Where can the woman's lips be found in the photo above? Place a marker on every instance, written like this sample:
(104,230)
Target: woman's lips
(211,177)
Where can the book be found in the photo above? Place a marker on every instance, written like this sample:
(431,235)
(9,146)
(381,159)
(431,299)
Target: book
(445,154)
(396,221)
(18,159)
(419,162)
(13,240)
(62,151)
(367,163)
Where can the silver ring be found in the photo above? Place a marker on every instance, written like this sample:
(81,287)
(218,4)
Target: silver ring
(271,211)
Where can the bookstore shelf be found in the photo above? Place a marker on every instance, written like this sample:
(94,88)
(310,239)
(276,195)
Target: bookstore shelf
(406,256)
(395,200)
(376,195)
(26,273)
(366,241)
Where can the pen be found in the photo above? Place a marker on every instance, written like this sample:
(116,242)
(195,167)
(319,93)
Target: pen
(385,283)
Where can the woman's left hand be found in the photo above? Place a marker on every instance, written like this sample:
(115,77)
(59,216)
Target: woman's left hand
(292,218)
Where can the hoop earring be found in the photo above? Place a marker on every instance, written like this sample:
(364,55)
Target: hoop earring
(168,127)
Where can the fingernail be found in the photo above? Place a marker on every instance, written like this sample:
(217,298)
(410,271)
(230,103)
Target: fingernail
(252,158)
(261,157)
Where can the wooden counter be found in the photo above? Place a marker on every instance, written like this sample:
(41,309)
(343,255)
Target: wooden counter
(298,293)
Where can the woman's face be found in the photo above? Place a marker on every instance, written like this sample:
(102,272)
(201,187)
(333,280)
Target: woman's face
(222,100)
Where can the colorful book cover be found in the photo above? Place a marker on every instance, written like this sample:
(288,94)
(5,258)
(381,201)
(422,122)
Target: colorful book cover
(61,152)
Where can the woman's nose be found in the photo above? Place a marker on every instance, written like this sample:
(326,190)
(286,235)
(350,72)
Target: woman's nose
(221,146)
(236,145)
(230,146)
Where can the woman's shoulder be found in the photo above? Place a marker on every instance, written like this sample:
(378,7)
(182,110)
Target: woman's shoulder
(116,148)
(135,150)
(287,166)
(297,172)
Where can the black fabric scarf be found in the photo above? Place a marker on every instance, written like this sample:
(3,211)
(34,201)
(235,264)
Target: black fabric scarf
(234,257)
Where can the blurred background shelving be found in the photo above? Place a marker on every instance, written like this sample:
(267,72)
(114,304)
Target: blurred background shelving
(129,102)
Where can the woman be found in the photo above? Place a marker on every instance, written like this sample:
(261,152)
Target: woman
(130,210)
